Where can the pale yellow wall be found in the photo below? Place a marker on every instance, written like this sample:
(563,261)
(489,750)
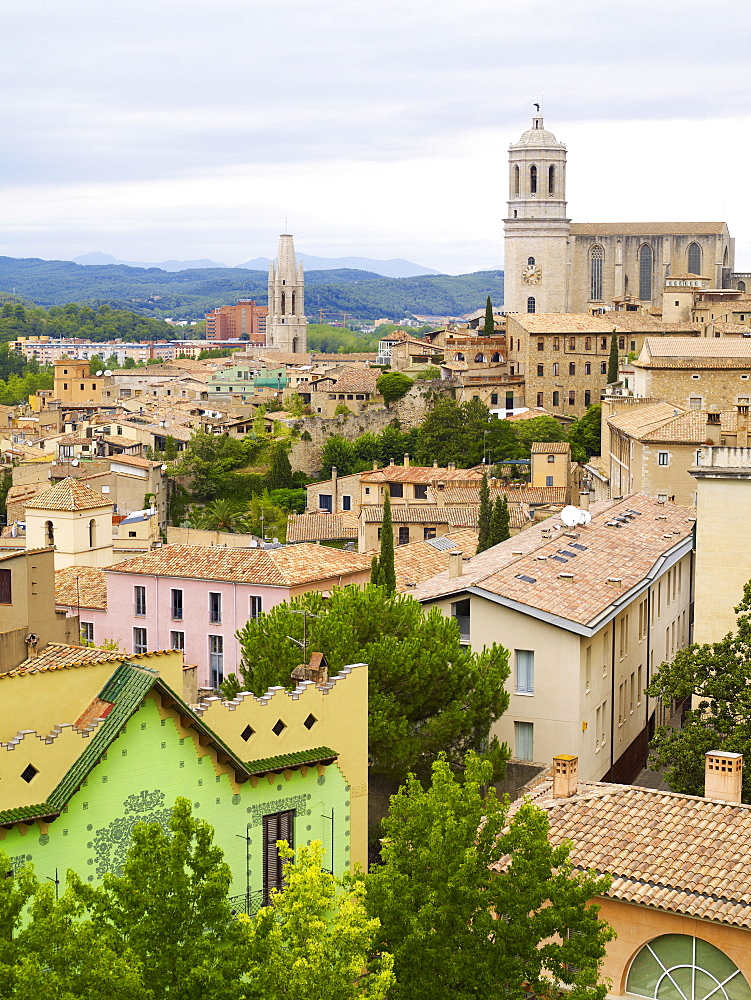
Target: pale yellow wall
(71,535)
(342,725)
(723,554)
(635,468)
(559,469)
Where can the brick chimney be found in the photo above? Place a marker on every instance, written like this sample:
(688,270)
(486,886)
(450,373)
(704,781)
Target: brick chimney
(723,776)
(565,775)
(455,563)
(334,484)
(406,460)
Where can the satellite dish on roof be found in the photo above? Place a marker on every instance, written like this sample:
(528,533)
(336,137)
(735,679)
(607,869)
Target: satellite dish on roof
(570,516)
(107,372)
(164,468)
(584,517)
(74,462)
(99,374)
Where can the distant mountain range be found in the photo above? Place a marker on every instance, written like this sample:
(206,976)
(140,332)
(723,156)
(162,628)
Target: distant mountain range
(189,294)
(395,268)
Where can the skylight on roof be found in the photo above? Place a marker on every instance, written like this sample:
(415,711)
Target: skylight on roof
(527,579)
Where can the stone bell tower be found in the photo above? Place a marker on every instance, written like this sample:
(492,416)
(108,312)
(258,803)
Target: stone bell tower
(536,231)
(286,323)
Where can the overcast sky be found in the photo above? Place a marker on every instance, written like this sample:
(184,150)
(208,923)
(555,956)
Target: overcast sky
(157,129)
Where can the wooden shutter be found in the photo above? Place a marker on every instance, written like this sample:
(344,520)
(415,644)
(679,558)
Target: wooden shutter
(5,588)
(277,826)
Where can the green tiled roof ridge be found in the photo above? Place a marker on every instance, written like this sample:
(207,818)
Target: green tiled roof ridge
(26,812)
(131,684)
(291,759)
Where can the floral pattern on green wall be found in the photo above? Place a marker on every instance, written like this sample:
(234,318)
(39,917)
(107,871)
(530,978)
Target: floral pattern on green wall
(111,842)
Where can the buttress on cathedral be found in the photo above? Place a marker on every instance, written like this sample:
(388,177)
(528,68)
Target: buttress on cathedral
(554,265)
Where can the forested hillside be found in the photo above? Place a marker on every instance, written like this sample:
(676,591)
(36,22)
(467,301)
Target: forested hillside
(190,294)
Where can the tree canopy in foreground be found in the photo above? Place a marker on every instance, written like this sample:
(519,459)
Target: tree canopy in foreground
(718,676)
(428,693)
(471,909)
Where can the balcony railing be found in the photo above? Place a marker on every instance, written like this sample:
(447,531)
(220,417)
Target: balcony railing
(248,903)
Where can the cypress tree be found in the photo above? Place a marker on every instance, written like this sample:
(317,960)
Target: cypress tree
(386,571)
(505,520)
(489,328)
(495,524)
(375,571)
(279,476)
(613,359)
(483,518)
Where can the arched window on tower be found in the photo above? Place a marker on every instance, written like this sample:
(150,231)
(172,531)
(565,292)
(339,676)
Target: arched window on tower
(533,180)
(530,260)
(694,259)
(741,286)
(517,181)
(92,534)
(595,273)
(49,532)
(293,303)
(284,303)
(551,179)
(645,273)
(531,304)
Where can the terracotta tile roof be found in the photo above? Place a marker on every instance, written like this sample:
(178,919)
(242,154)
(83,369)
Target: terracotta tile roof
(640,420)
(59,656)
(338,358)
(135,460)
(647,228)
(621,322)
(68,494)
(419,561)
(698,348)
(315,526)
(529,496)
(605,548)
(81,586)
(287,566)
(348,381)
(680,853)
(691,428)
(551,448)
(420,474)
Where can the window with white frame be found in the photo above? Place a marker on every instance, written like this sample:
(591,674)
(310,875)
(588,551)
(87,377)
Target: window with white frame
(216,660)
(525,671)
(256,607)
(139,600)
(140,640)
(87,631)
(177,640)
(215,608)
(662,458)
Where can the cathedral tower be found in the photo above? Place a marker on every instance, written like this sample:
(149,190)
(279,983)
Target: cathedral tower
(536,232)
(286,323)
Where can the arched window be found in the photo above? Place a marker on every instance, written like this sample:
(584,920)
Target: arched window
(555,368)
(92,533)
(694,259)
(495,356)
(595,273)
(533,180)
(479,357)
(551,179)
(517,181)
(293,303)
(531,304)
(741,286)
(530,260)
(284,303)
(49,531)
(458,357)
(645,273)
(572,368)
(681,967)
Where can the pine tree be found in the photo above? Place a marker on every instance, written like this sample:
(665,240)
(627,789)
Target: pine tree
(483,519)
(613,362)
(489,327)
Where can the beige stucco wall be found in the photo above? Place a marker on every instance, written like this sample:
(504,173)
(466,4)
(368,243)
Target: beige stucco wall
(635,468)
(71,535)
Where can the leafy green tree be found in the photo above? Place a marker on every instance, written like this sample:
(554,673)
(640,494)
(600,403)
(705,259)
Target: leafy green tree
(222,515)
(60,953)
(480,931)
(585,434)
(279,476)
(393,385)
(454,433)
(170,909)
(488,329)
(289,500)
(718,677)
(265,518)
(484,516)
(430,373)
(315,941)
(96,364)
(339,453)
(427,691)
(538,429)
(613,363)
(499,521)
(212,460)
(6,481)
(383,565)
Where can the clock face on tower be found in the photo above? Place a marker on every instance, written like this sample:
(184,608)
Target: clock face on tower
(531,274)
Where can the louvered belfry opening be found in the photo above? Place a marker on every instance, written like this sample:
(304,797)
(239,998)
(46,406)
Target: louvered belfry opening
(276,826)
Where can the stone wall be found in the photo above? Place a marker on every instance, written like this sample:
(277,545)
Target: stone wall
(409,411)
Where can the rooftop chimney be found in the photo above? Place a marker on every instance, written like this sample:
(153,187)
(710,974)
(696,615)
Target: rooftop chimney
(452,466)
(584,499)
(565,775)
(455,563)
(435,464)
(723,776)
(406,460)
(713,427)
(742,439)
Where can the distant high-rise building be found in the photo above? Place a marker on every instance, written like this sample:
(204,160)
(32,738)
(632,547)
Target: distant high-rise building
(286,325)
(245,320)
